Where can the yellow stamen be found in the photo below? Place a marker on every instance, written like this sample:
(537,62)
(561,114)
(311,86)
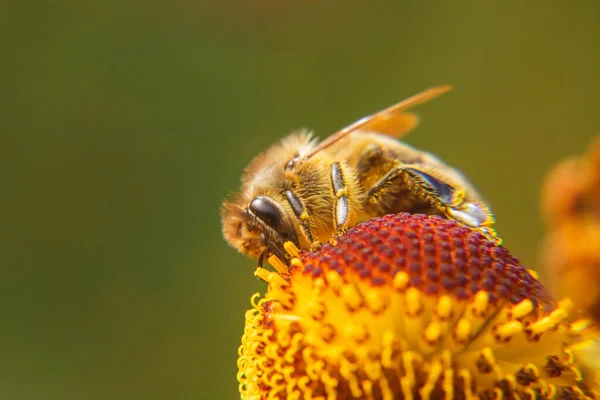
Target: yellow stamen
(509,329)
(522,309)
(278,264)
(291,249)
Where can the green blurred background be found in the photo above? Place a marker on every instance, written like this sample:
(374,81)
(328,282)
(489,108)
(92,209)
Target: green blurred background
(125,123)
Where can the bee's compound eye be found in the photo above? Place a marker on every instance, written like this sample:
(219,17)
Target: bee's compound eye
(263,208)
(290,165)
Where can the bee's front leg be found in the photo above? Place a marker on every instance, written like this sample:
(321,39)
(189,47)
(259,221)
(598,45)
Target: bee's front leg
(340,191)
(302,214)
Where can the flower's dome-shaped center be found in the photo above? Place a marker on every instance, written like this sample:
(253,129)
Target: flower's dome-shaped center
(434,255)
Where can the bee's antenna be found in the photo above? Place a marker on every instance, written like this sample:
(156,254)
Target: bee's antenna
(261,260)
(274,249)
(404,105)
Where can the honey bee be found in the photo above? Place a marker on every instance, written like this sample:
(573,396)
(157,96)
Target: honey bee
(307,192)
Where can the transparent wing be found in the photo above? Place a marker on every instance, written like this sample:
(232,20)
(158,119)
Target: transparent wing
(393,121)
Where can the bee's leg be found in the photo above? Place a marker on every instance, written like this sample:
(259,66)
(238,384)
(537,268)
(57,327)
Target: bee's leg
(303,217)
(449,200)
(340,209)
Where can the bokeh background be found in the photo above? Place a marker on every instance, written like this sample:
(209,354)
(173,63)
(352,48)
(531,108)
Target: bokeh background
(125,123)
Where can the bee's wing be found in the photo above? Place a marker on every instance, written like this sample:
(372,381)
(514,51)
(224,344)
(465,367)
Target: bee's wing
(391,124)
(393,121)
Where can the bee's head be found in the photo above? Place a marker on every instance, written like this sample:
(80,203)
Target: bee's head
(259,219)
(262,225)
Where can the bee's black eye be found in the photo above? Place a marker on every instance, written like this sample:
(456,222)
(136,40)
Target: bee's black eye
(291,164)
(263,208)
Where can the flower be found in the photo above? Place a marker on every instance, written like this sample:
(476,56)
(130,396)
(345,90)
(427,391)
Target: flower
(571,203)
(411,307)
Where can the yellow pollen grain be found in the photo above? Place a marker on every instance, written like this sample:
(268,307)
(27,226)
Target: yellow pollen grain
(282,297)
(523,308)
(387,340)
(444,308)
(407,385)
(488,355)
(542,325)
(407,361)
(463,330)
(331,384)
(559,315)
(351,296)
(347,369)
(270,277)
(296,262)
(319,284)
(413,302)
(458,197)
(355,388)
(315,369)
(374,300)
(448,383)
(509,329)
(432,332)
(334,279)
(303,383)
(434,374)
(294,348)
(401,280)
(373,370)
(533,273)
(291,249)
(480,303)
(356,333)
(466,377)
(278,264)
(327,332)
(386,391)
(316,309)
(341,192)
(367,388)
(580,325)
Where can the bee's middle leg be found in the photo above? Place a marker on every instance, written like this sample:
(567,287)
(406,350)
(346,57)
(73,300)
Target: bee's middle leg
(435,192)
(445,198)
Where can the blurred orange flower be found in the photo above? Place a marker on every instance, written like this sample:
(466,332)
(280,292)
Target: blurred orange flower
(571,204)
